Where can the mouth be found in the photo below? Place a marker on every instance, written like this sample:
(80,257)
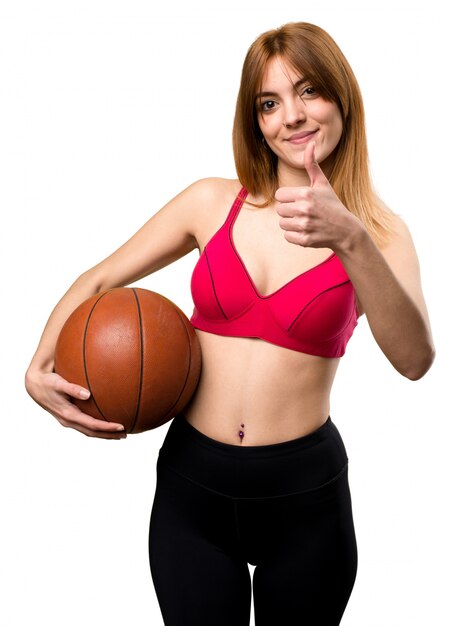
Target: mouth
(302,137)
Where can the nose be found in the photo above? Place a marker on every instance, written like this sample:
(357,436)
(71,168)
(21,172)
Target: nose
(294,112)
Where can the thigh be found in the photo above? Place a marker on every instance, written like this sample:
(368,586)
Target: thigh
(307,564)
(197,576)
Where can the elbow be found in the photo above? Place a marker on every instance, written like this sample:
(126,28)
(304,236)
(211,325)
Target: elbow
(91,280)
(418,369)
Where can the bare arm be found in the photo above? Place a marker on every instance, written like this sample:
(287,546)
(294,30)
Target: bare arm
(166,237)
(389,292)
(387,283)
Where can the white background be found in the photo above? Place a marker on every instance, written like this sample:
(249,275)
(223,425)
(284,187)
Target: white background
(109,108)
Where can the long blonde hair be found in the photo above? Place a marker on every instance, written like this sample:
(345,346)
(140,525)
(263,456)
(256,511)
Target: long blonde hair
(313,53)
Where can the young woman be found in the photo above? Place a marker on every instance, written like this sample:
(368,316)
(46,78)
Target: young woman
(291,254)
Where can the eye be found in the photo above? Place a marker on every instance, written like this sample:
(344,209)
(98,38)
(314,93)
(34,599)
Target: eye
(309,91)
(264,106)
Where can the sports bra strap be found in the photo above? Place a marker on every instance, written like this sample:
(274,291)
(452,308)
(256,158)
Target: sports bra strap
(242,194)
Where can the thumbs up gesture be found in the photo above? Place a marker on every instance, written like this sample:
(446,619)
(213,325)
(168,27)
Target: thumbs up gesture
(313,216)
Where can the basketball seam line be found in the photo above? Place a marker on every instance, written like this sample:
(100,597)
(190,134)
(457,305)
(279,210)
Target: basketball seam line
(189,363)
(138,405)
(84,353)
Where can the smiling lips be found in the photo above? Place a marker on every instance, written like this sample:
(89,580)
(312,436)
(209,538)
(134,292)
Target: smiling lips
(302,137)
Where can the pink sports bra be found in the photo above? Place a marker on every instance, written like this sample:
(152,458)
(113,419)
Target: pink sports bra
(315,312)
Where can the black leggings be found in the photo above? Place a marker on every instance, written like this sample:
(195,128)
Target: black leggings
(284,507)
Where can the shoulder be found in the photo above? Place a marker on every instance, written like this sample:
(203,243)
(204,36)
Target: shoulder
(207,202)
(400,246)
(213,194)
(400,253)
(214,189)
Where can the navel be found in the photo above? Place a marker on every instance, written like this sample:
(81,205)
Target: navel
(241,433)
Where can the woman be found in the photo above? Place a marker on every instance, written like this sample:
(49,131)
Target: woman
(292,253)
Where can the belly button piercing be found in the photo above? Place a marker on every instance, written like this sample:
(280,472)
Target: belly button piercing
(241,434)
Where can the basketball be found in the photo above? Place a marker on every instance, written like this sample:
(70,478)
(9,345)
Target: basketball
(136,352)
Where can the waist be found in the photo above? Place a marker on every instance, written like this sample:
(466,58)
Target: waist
(259,421)
(312,461)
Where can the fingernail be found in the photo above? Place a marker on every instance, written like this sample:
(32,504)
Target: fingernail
(84,393)
(120,427)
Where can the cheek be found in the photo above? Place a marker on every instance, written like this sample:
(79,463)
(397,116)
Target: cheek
(325,112)
(266,125)
(329,114)
(337,127)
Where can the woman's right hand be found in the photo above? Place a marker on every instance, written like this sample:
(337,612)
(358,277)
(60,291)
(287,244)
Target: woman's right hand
(53,393)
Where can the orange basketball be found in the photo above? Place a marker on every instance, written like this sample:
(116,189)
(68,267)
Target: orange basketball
(136,352)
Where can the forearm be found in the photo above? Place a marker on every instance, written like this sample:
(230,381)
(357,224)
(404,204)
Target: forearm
(398,325)
(84,287)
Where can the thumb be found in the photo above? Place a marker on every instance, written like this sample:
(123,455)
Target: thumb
(311,164)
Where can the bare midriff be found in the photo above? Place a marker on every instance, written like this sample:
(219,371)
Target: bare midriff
(252,392)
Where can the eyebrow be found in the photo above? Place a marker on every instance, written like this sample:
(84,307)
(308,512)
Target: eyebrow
(300,82)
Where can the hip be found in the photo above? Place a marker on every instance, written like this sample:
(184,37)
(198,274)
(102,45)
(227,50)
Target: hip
(309,462)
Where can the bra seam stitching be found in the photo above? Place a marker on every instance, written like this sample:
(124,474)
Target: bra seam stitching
(335,337)
(323,343)
(313,299)
(213,285)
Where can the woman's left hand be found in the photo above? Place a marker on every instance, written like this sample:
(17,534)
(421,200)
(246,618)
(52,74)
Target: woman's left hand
(314,216)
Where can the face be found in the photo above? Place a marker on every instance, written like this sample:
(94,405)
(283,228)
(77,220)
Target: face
(288,120)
